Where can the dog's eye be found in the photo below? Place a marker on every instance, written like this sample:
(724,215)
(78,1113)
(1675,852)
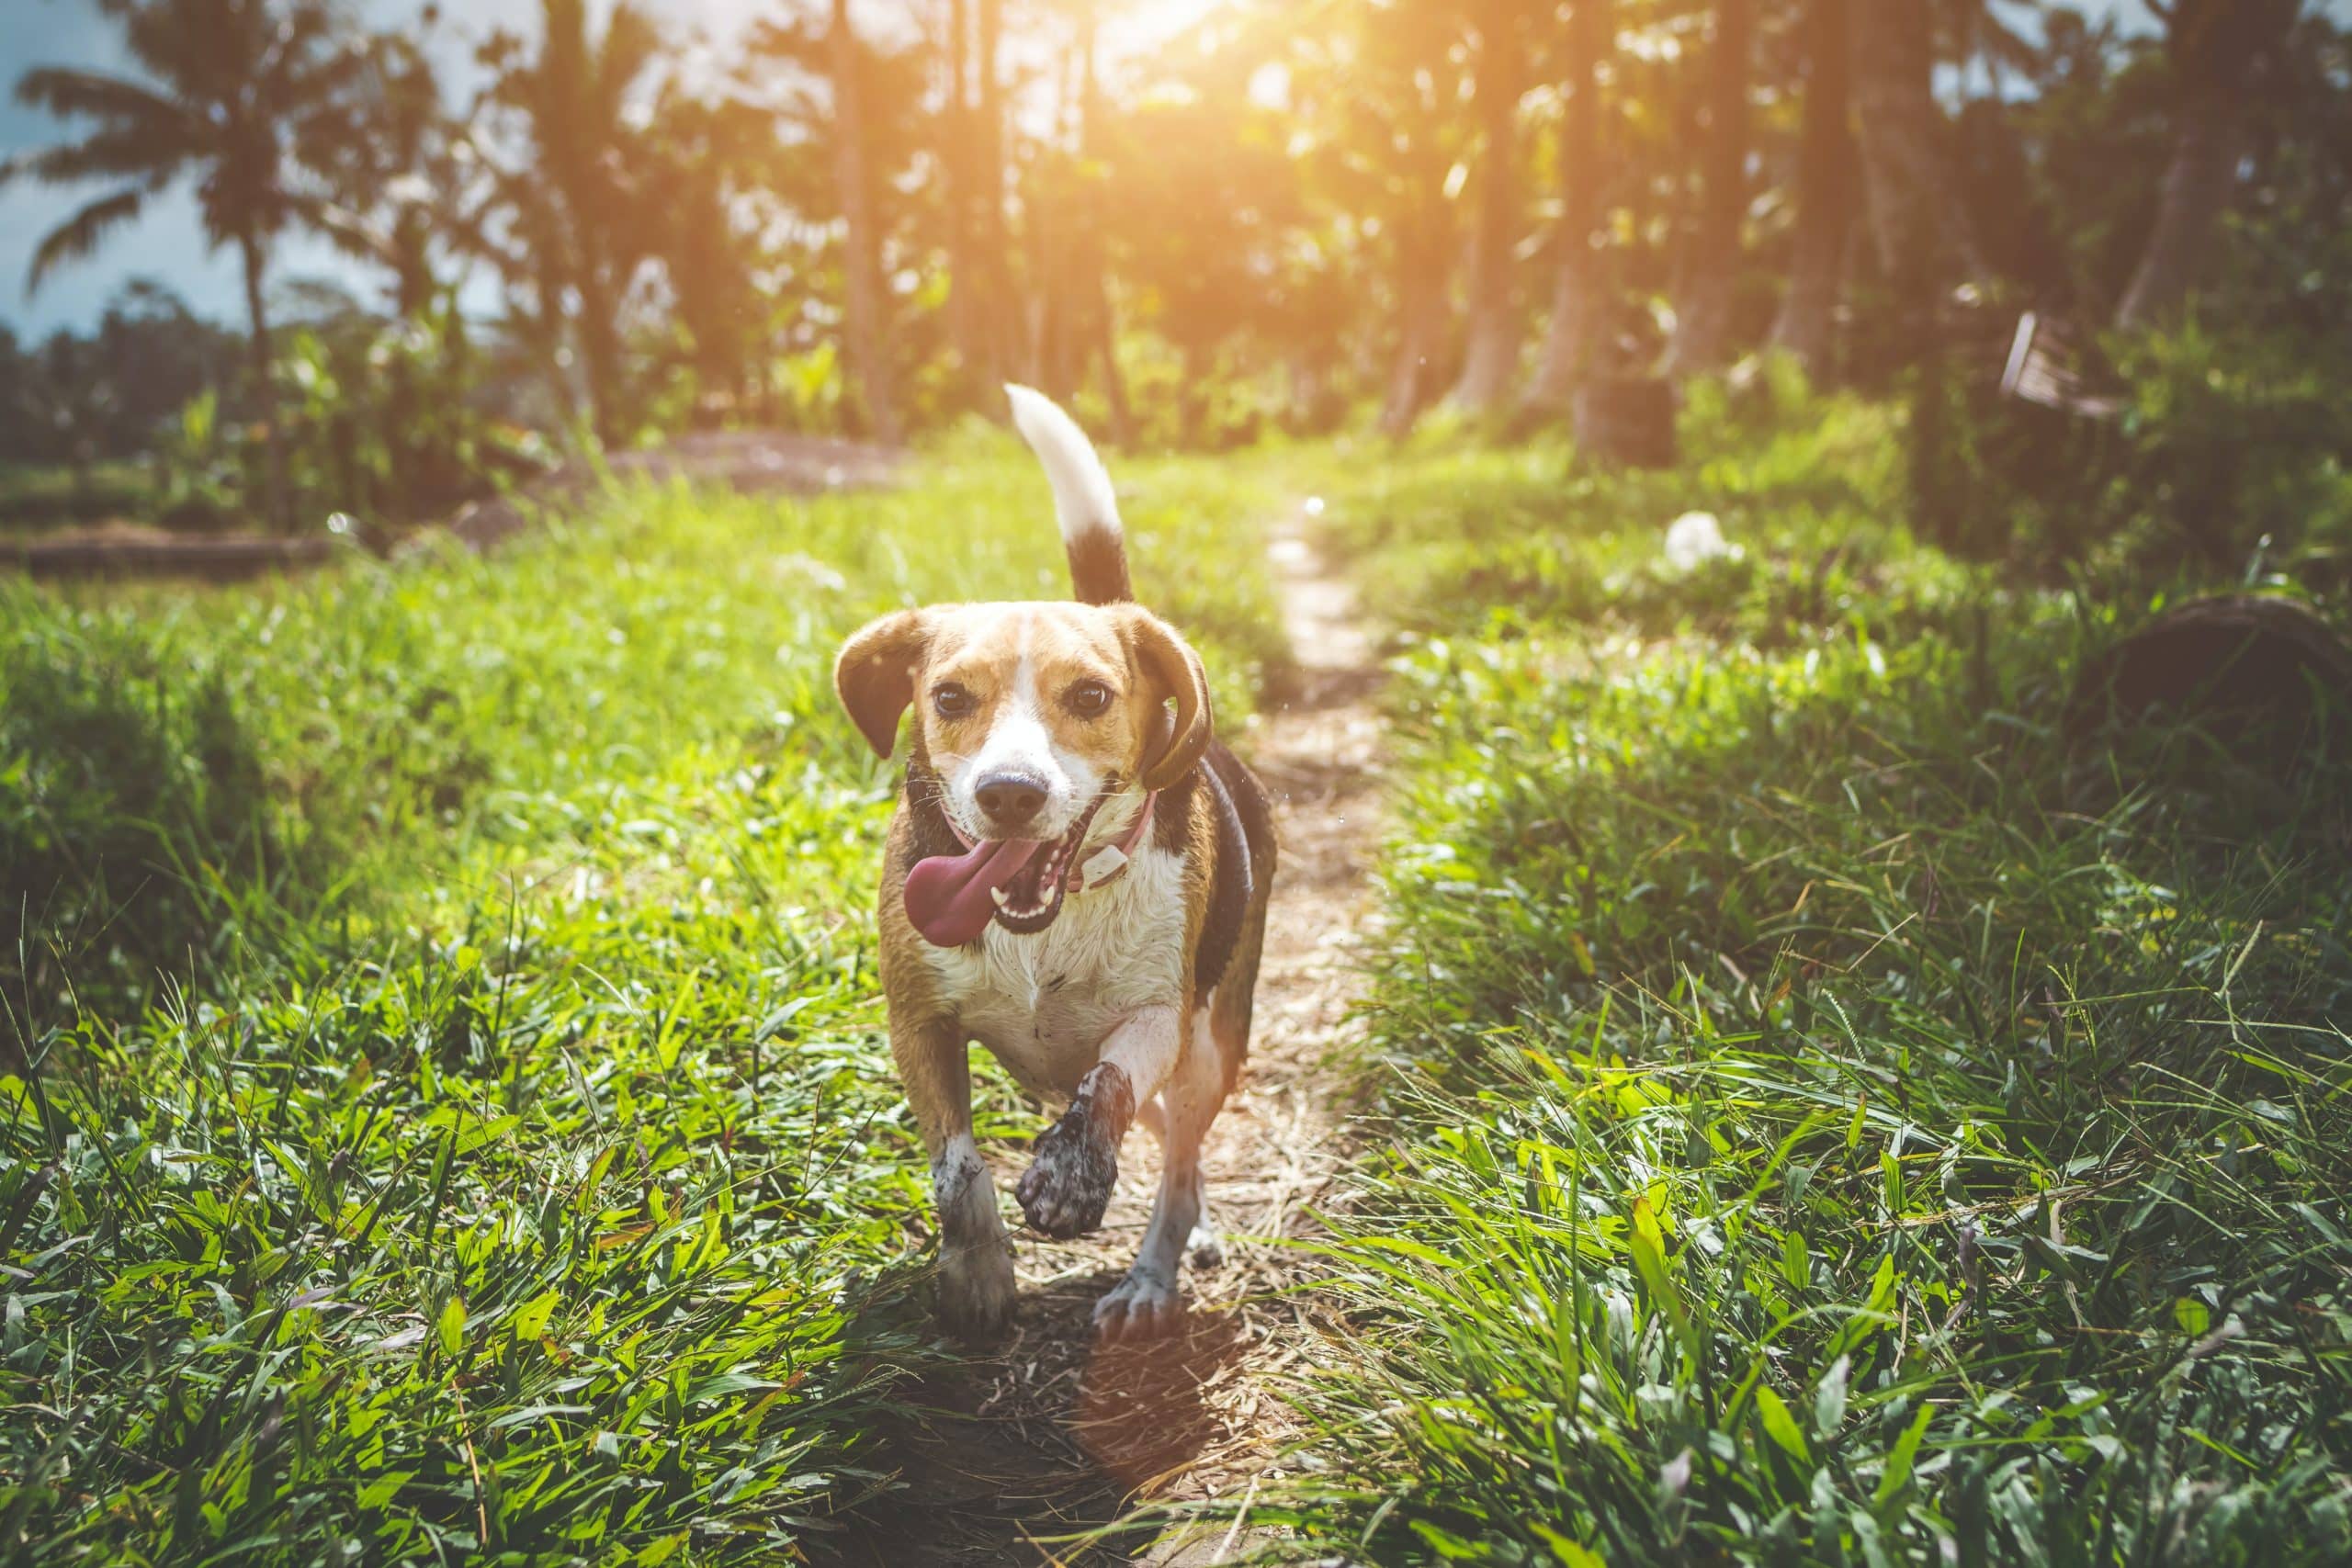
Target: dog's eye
(953,700)
(1087,698)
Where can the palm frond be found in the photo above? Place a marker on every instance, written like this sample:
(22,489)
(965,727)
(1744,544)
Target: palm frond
(349,231)
(632,43)
(133,153)
(81,234)
(204,47)
(60,90)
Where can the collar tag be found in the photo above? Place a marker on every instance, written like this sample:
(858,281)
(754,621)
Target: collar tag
(1105,866)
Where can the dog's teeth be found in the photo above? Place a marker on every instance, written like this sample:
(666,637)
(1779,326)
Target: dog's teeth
(1003,899)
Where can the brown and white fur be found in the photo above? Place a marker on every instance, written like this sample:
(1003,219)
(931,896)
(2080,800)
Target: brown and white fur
(1134,1001)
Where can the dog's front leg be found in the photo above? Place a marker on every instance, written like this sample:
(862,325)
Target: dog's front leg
(1068,1182)
(976,1284)
(1147,1304)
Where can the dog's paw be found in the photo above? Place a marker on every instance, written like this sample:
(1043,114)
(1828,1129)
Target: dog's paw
(976,1293)
(1143,1306)
(1205,1247)
(1067,1185)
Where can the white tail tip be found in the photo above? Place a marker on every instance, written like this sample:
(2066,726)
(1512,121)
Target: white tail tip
(1083,497)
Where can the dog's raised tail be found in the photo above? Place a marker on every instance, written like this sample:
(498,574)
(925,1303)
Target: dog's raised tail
(1083,499)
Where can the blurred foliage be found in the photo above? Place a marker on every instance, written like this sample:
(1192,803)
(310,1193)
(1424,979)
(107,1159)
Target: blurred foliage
(1222,237)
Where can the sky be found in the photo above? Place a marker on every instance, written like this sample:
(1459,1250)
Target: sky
(167,242)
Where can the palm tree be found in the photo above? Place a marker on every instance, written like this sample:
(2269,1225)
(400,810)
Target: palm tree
(583,223)
(1577,286)
(227,86)
(866,331)
(1712,264)
(1490,358)
(402,186)
(1827,188)
(2211,49)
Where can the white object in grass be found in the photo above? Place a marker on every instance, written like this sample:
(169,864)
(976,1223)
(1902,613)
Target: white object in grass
(1693,538)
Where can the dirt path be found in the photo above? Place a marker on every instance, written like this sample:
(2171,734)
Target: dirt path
(1052,1437)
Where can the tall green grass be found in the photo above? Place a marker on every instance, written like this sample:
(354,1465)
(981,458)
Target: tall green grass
(446,1115)
(1821,1111)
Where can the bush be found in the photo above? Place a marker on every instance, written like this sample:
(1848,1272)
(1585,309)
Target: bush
(2226,458)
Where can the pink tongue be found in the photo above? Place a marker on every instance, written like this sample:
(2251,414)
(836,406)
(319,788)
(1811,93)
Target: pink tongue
(948,896)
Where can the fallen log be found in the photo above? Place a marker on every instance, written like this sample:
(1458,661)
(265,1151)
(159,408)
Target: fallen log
(212,558)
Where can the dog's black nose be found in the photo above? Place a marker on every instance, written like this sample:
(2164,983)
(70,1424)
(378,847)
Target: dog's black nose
(1012,800)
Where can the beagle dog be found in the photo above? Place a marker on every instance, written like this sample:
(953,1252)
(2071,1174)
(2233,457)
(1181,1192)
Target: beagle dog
(1076,878)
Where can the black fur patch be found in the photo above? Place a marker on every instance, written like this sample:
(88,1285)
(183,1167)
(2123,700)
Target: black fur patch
(1098,567)
(1245,858)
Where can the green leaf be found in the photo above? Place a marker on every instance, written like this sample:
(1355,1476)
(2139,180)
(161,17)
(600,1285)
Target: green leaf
(1572,1554)
(1900,1457)
(451,1328)
(1645,1244)
(530,1319)
(1829,1399)
(1779,1425)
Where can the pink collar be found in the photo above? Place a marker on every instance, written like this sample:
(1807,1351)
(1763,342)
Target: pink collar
(1125,847)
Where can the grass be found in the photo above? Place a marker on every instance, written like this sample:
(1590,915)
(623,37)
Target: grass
(1819,1110)
(447,1115)
(1819,1106)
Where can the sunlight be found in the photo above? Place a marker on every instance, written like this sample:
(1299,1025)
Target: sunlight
(1138,26)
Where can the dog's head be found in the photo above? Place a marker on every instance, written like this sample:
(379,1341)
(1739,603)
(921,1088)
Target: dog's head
(1031,717)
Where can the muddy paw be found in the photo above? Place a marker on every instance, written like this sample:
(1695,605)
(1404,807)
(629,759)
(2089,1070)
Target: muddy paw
(976,1293)
(1143,1306)
(1068,1182)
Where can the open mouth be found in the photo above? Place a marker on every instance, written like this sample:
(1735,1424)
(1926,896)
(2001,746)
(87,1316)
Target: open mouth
(1018,883)
(1028,901)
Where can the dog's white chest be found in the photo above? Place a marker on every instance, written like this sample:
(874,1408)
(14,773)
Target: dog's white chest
(1043,1004)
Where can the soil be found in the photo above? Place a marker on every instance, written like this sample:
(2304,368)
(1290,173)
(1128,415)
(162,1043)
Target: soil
(754,461)
(1015,1456)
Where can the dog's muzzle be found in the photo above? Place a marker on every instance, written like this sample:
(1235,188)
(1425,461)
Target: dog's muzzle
(1018,883)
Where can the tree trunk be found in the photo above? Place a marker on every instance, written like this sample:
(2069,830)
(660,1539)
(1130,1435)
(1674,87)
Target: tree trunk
(964,312)
(599,343)
(867,332)
(1826,171)
(1491,354)
(2212,46)
(1916,221)
(1000,323)
(2196,189)
(1422,315)
(1576,286)
(1703,327)
(275,503)
(1099,333)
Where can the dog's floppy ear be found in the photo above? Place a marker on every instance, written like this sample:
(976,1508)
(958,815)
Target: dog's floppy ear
(1174,671)
(875,675)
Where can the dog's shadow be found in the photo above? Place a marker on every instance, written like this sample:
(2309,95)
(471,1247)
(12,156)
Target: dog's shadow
(1142,1410)
(1019,1453)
